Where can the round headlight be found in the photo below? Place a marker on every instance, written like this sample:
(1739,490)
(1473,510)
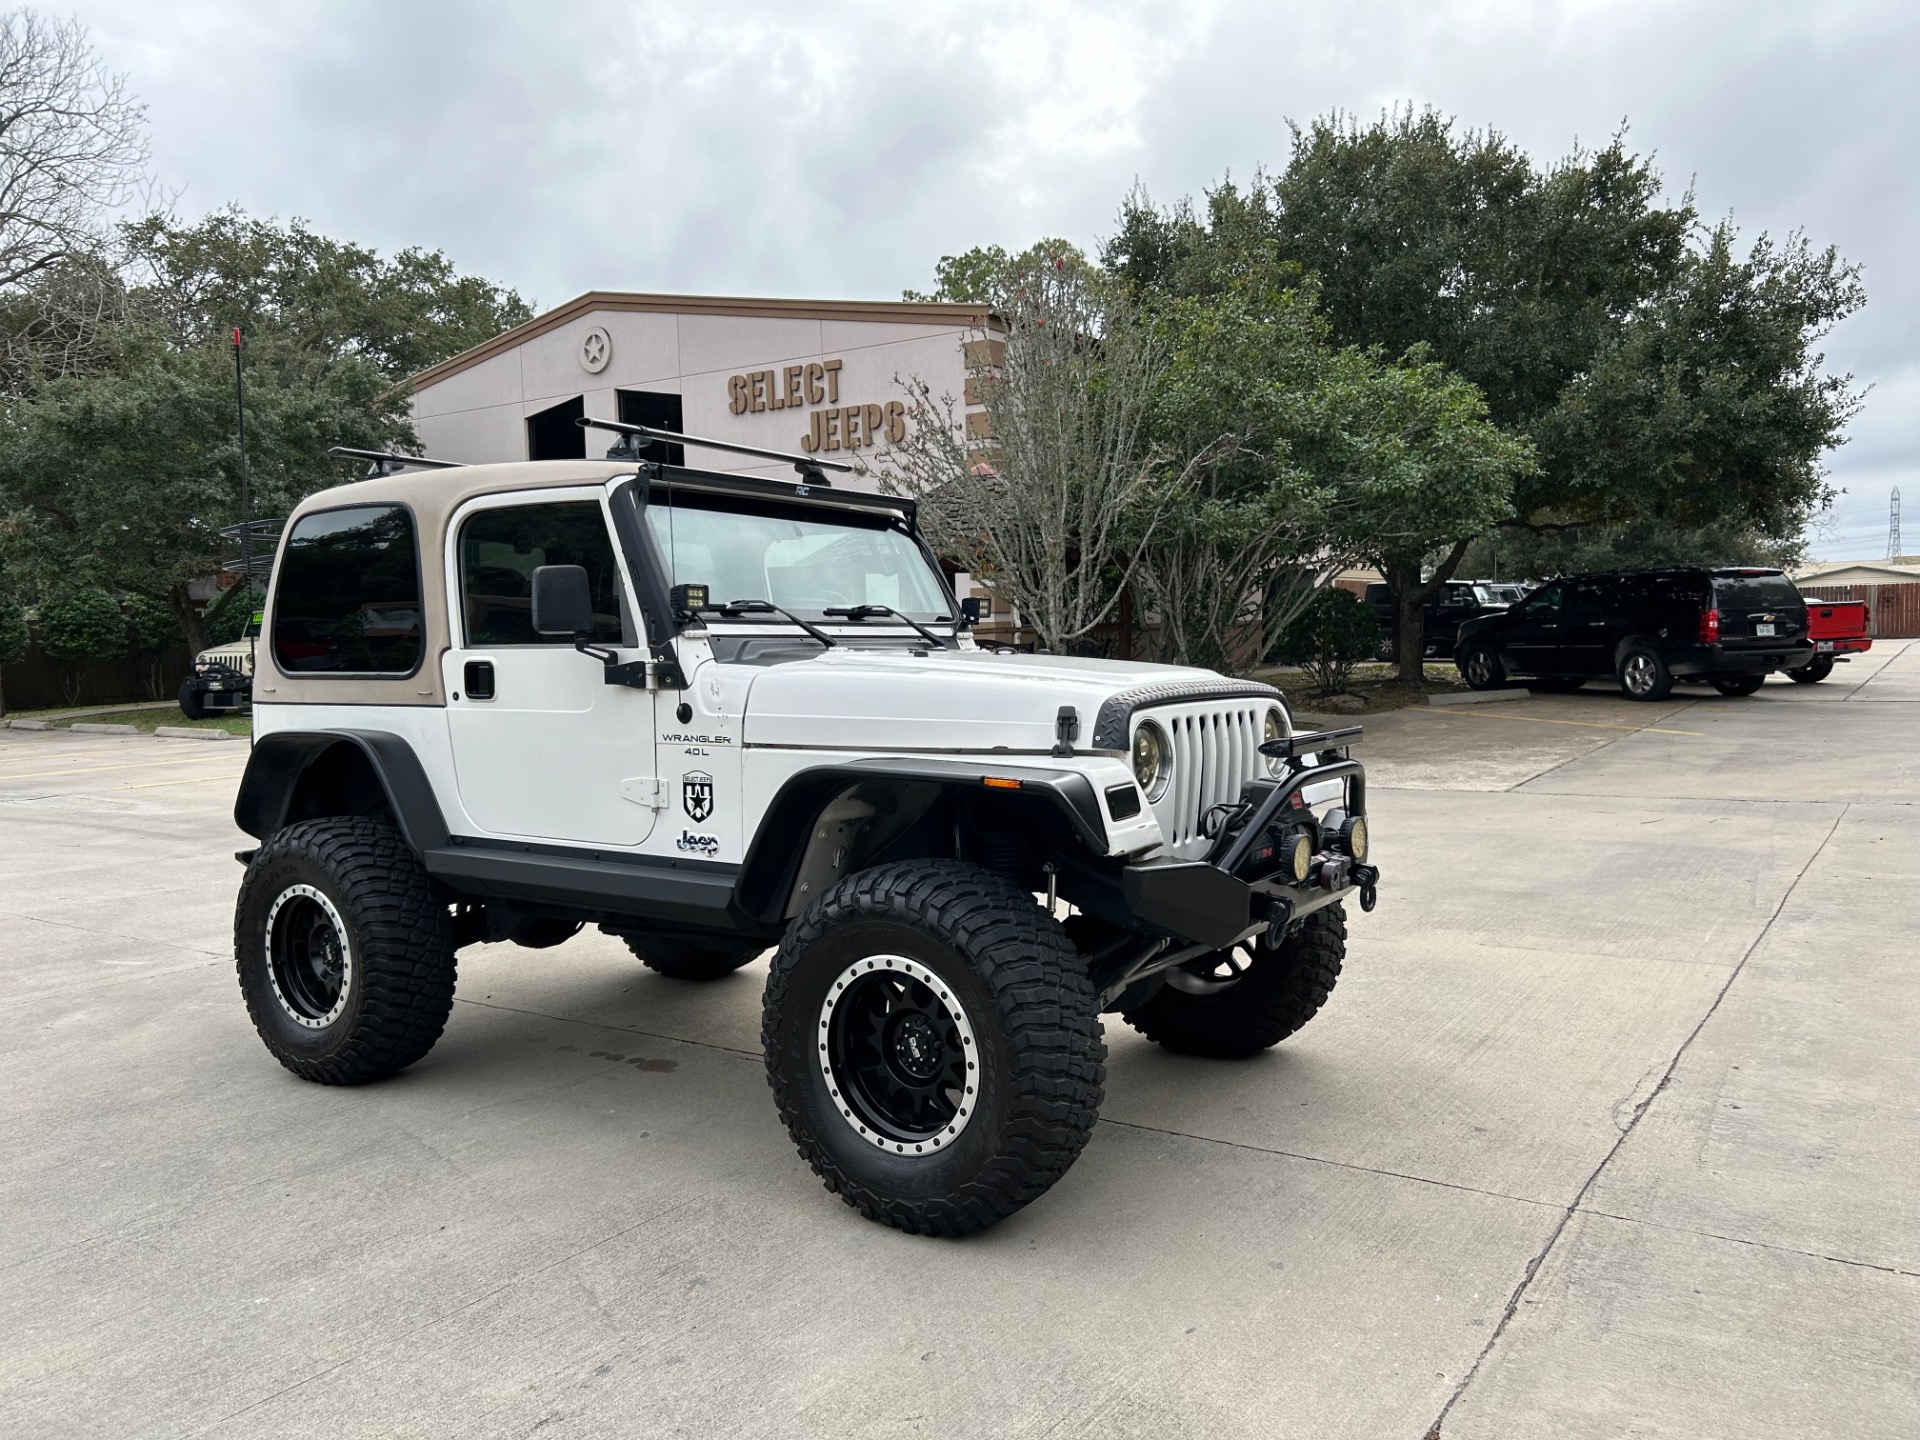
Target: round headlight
(1152,760)
(1300,855)
(1276,729)
(1353,836)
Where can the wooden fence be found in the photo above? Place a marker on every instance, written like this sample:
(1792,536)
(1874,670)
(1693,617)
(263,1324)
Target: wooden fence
(1893,611)
(38,682)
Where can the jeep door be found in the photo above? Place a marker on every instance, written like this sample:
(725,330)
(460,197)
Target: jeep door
(543,748)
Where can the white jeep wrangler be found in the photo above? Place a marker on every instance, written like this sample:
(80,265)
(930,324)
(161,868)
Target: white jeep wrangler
(714,714)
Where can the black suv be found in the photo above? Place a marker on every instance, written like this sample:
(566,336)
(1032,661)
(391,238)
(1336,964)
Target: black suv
(1645,628)
(1448,608)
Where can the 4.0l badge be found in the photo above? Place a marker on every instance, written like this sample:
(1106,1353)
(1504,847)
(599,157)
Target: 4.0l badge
(696,795)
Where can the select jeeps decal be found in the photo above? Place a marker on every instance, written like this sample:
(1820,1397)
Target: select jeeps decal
(698,844)
(696,795)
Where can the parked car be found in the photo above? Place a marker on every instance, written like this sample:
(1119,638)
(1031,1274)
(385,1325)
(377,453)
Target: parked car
(1448,608)
(1838,628)
(1646,628)
(222,677)
(713,713)
(1498,592)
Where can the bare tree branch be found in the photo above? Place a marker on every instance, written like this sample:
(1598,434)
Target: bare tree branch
(1054,492)
(72,144)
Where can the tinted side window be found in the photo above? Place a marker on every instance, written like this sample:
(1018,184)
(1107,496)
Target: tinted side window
(347,598)
(499,551)
(1545,603)
(1596,595)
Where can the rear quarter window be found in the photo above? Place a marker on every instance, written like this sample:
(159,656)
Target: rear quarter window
(347,596)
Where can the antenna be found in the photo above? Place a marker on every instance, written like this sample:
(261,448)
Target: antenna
(1893,525)
(382,463)
(811,470)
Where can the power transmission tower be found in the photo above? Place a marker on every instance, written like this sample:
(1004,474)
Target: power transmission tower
(1893,525)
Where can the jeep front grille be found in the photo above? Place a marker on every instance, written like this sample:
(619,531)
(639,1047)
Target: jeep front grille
(1216,750)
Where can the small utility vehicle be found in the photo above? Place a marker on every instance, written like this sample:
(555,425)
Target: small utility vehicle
(713,714)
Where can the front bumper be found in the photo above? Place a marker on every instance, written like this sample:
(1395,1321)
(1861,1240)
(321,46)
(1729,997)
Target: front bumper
(221,687)
(1235,893)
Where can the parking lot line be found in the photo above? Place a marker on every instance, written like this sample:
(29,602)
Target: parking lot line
(1543,720)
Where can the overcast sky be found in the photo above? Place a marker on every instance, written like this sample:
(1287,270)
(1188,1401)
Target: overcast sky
(837,148)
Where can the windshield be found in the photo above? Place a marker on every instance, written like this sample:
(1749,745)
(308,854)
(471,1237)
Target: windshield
(799,557)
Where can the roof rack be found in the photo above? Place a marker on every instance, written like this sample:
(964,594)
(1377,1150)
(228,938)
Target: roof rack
(382,463)
(811,470)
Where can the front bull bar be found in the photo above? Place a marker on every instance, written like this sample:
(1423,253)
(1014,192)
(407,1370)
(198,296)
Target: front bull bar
(1205,902)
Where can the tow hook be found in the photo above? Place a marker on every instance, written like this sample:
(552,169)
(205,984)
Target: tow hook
(1279,913)
(1367,876)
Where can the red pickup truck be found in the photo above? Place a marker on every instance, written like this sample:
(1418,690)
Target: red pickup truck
(1837,628)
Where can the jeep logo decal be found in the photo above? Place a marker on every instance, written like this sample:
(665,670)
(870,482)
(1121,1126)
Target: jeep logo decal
(696,795)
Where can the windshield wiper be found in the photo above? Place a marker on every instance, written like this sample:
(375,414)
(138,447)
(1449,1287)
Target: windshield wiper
(767,607)
(865,612)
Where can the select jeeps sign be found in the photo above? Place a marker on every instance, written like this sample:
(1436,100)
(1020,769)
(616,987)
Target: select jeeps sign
(696,795)
(808,387)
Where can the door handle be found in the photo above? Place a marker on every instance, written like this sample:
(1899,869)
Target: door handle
(479,679)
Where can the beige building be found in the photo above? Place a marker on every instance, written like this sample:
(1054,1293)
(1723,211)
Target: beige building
(820,377)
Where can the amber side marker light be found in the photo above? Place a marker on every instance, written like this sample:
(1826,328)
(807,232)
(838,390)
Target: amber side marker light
(999,782)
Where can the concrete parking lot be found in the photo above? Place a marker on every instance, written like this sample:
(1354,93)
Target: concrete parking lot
(1612,1128)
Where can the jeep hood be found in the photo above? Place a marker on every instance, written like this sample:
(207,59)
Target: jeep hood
(949,700)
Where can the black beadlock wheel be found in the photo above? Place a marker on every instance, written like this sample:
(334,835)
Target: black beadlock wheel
(934,1045)
(189,697)
(1232,1004)
(345,952)
(690,959)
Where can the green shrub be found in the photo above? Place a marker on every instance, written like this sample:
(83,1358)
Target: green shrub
(1333,634)
(13,631)
(227,617)
(81,623)
(13,638)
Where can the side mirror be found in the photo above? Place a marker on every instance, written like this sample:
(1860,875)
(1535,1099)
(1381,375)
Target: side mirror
(562,601)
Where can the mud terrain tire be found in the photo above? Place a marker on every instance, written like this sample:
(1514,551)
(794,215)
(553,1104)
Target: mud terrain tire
(1017,1017)
(357,982)
(687,959)
(1281,991)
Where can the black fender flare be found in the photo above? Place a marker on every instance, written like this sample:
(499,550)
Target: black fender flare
(779,847)
(281,761)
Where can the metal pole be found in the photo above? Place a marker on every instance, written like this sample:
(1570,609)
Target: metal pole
(246,498)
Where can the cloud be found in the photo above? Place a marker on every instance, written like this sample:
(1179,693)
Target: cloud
(839,148)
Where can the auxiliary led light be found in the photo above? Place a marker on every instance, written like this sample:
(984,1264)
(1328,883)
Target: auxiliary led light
(1300,856)
(1353,837)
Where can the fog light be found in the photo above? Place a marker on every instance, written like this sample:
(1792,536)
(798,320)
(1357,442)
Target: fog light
(1300,856)
(1353,837)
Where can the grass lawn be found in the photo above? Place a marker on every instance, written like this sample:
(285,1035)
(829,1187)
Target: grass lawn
(145,718)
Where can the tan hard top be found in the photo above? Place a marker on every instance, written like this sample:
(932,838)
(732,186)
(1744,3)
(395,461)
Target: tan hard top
(433,496)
